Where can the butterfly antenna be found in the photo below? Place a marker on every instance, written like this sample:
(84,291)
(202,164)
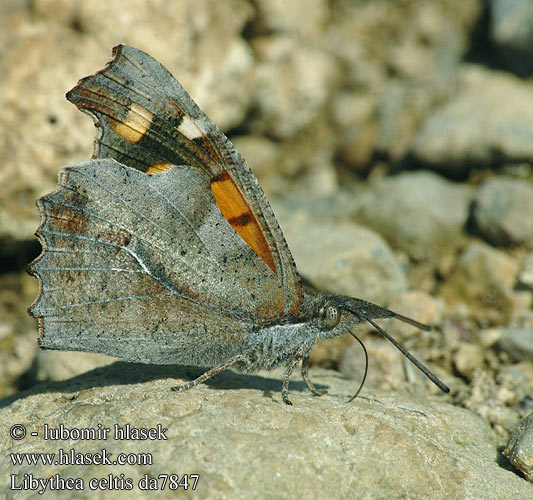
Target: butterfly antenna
(441,385)
(366,367)
(410,321)
(385,313)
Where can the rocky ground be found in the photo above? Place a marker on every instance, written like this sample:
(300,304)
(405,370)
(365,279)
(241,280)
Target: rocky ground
(395,141)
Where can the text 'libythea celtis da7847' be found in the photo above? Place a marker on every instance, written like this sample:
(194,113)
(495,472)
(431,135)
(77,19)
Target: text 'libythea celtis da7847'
(163,247)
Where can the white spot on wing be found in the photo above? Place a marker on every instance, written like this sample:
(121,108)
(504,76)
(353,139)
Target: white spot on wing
(138,259)
(189,128)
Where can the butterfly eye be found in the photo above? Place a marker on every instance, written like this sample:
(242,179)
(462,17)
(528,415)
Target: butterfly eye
(329,316)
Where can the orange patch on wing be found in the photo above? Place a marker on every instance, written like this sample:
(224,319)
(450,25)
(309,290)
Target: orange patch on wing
(137,123)
(240,217)
(157,168)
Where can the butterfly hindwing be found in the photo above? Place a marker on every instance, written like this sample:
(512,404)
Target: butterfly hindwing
(132,260)
(147,121)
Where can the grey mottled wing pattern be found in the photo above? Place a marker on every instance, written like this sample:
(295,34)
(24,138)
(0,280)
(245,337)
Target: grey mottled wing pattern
(145,266)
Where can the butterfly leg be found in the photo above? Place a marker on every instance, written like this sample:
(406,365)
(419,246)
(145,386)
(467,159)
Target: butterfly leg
(300,354)
(208,374)
(307,380)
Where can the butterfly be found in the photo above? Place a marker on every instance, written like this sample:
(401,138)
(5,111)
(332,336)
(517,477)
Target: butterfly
(164,249)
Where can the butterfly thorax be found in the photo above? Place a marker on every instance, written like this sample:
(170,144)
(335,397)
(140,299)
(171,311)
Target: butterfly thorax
(320,317)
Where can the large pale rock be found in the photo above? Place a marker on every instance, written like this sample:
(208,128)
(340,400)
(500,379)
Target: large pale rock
(484,279)
(342,257)
(421,213)
(504,211)
(488,120)
(245,443)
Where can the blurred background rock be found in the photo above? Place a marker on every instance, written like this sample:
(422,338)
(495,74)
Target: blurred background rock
(394,139)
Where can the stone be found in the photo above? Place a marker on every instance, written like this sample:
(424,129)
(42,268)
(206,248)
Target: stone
(404,107)
(236,433)
(510,32)
(517,342)
(484,279)
(354,115)
(415,40)
(303,18)
(418,212)
(404,72)
(503,211)
(525,277)
(18,332)
(500,395)
(489,119)
(342,257)
(61,365)
(264,156)
(414,304)
(489,336)
(385,364)
(519,450)
(291,86)
(468,358)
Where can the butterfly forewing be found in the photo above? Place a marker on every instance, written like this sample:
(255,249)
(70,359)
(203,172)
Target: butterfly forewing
(149,122)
